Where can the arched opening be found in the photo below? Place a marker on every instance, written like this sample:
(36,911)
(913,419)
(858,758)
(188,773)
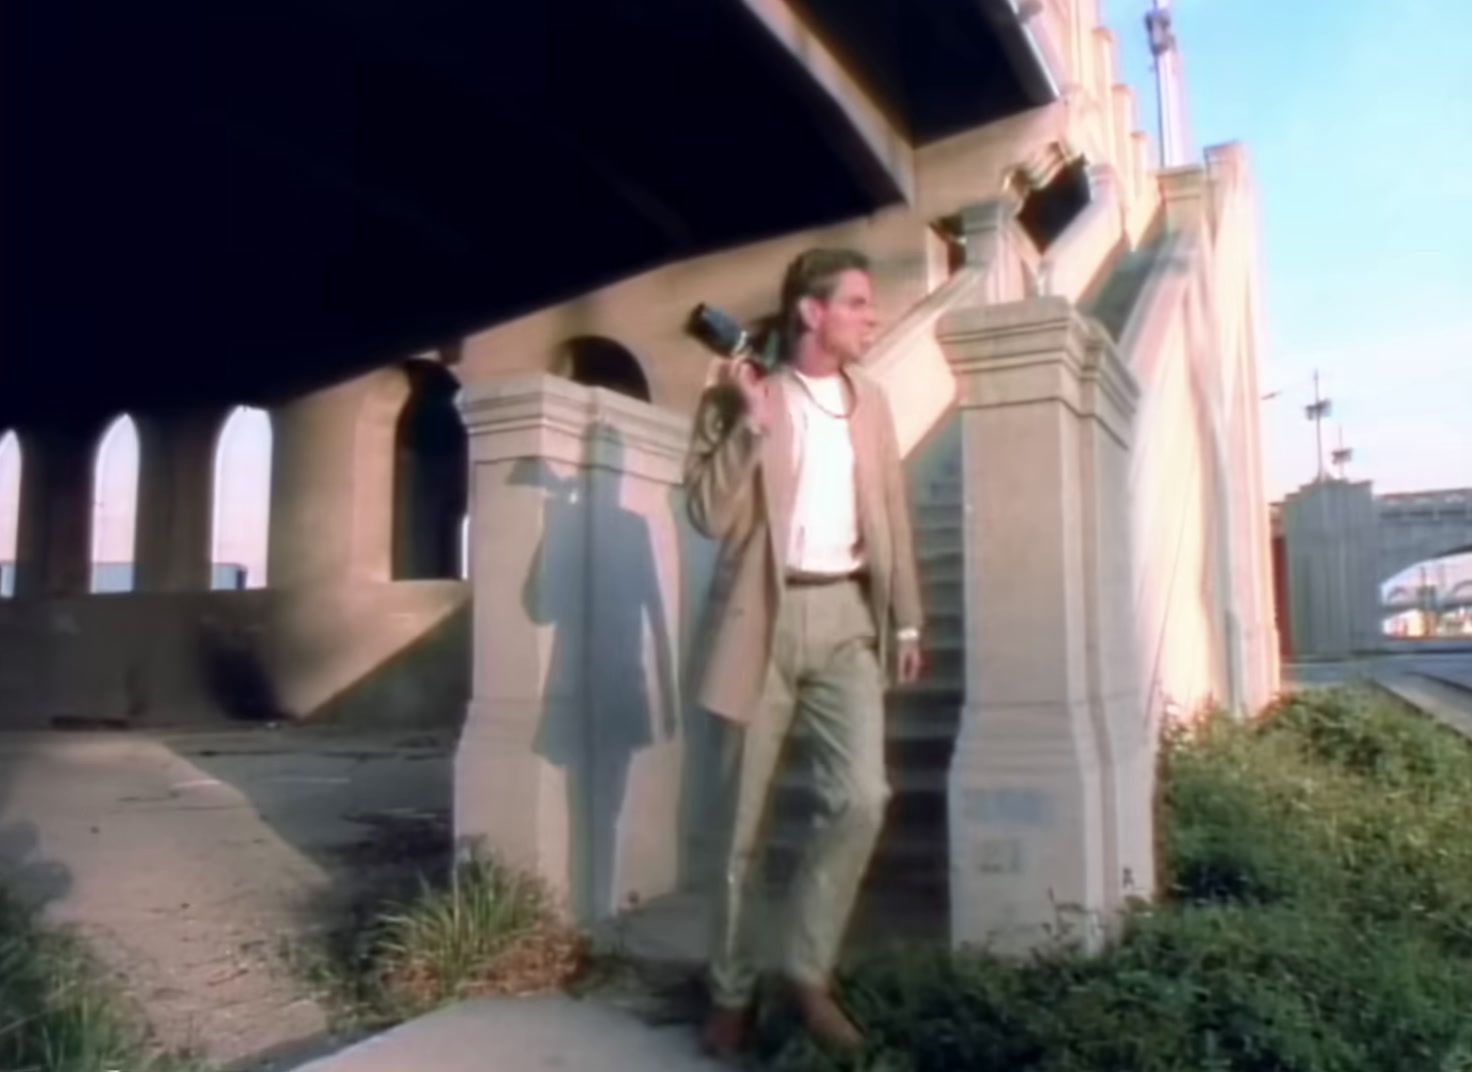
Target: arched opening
(242,506)
(431,478)
(1430,599)
(1048,209)
(115,507)
(10,464)
(597,361)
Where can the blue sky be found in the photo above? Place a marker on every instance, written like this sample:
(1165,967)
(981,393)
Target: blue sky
(1358,116)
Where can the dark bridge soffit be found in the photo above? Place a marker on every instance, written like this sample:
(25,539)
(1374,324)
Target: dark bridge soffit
(220,203)
(866,120)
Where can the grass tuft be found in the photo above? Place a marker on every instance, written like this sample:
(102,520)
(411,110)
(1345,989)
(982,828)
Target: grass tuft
(56,1015)
(487,930)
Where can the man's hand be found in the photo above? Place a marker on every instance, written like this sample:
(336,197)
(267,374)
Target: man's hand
(910,663)
(747,378)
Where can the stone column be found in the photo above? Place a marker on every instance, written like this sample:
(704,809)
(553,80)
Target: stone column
(1331,530)
(175,498)
(1050,785)
(332,480)
(570,761)
(53,555)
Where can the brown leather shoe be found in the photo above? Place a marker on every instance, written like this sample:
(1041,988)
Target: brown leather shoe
(724,1034)
(825,1021)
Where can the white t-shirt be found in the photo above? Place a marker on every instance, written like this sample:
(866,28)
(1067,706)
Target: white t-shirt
(825,517)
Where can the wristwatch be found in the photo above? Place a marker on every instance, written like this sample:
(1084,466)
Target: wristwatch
(907,633)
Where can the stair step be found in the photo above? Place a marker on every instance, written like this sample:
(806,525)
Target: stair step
(926,514)
(946,561)
(917,798)
(944,624)
(918,725)
(930,689)
(944,489)
(944,612)
(899,865)
(932,519)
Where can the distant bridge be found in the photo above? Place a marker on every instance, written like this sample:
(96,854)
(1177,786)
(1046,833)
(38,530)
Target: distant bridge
(1422,525)
(1341,543)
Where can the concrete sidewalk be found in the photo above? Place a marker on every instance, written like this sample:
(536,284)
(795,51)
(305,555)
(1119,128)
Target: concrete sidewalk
(196,862)
(522,1035)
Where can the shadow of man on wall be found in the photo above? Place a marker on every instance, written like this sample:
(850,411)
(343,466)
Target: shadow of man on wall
(611,689)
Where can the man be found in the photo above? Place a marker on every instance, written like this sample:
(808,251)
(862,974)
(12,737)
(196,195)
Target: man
(798,474)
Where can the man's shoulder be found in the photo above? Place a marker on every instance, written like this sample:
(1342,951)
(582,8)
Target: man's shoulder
(867,387)
(864,381)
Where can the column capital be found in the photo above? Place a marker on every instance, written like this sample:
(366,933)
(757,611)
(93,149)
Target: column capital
(1039,350)
(983,226)
(556,419)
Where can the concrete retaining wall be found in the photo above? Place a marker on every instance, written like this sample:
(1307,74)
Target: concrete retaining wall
(381,653)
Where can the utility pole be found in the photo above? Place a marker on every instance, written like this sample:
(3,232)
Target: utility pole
(1170,86)
(1316,412)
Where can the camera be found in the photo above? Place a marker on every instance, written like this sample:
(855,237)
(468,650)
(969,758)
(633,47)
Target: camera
(724,334)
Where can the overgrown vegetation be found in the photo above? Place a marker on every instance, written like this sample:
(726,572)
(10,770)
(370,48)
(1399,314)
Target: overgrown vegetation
(488,930)
(55,1013)
(1318,918)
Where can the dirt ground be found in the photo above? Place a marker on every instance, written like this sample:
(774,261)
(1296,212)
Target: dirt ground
(197,863)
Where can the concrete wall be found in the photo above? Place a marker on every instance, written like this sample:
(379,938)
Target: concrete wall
(1202,550)
(373,653)
(333,637)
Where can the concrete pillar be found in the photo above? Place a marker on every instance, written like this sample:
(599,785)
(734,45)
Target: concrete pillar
(53,550)
(175,499)
(570,761)
(1331,532)
(1050,785)
(332,471)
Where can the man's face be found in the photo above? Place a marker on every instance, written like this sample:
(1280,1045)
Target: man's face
(845,324)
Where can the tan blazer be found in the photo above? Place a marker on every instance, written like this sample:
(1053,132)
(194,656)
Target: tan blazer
(740,487)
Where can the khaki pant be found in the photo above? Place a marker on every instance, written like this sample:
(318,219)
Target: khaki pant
(824,672)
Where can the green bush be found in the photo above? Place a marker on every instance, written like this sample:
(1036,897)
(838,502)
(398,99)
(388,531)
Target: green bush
(1316,917)
(54,1014)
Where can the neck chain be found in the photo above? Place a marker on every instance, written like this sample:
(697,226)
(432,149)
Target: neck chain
(848,389)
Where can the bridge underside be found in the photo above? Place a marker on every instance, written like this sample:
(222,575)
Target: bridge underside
(214,202)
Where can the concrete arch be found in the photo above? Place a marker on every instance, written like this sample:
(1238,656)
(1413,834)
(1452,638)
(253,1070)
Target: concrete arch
(598,361)
(115,478)
(1433,556)
(12,463)
(240,514)
(1417,527)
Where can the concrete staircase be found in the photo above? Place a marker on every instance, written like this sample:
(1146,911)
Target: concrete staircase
(907,883)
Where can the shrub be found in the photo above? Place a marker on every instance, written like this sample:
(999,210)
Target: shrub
(1318,879)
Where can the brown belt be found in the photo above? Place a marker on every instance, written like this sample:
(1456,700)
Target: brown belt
(797,579)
